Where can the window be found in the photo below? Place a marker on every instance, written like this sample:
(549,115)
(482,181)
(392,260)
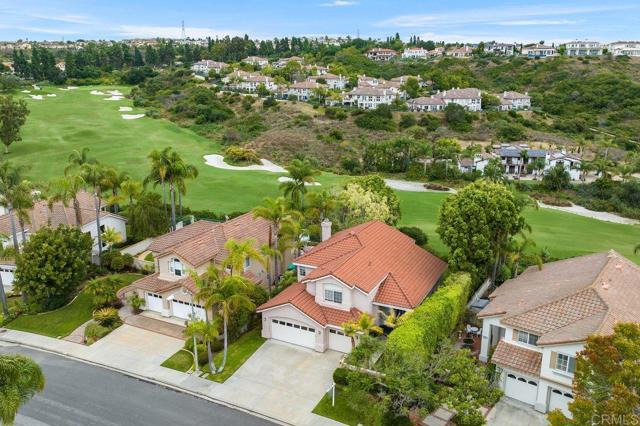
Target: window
(524,337)
(563,362)
(333,294)
(247,263)
(175,267)
(302,271)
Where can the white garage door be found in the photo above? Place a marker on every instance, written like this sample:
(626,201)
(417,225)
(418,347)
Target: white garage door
(182,310)
(521,388)
(338,341)
(293,332)
(560,399)
(154,302)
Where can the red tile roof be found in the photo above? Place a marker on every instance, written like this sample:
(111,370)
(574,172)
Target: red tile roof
(513,356)
(375,254)
(155,284)
(296,295)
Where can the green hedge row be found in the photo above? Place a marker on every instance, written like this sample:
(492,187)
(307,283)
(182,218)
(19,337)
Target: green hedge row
(432,321)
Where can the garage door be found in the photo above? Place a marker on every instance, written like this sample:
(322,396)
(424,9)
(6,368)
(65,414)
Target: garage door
(338,341)
(182,310)
(293,332)
(154,302)
(560,399)
(521,388)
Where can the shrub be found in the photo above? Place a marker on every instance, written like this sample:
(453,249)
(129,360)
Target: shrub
(203,356)
(94,331)
(335,113)
(416,233)
(269,102)
(136,302)
(107,317)
(407,120)
(149,257)
(377,119)
(433,321)
(237,154)
(429,122)
(340,376)
(436,187)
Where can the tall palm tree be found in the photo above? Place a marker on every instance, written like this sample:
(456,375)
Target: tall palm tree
(10,179)
(269,256)
(278,213)
(519,248)
(227,298)
(585,168)
(207,285)
(96,175)
(238,251)
(111,237)
(20,379)
(65,190)
(24,196)
(300,173)
(77,159)
(184,172)
(365,324)
(321,204)
(158,173)
(603,167)
(131,190)
(524,157)
(114,180)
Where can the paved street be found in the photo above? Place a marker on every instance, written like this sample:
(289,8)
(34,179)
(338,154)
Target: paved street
(79,394)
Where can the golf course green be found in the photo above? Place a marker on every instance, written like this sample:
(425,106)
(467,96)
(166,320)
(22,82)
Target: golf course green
(75,119)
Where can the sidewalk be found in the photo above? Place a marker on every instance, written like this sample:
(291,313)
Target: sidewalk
(127,353)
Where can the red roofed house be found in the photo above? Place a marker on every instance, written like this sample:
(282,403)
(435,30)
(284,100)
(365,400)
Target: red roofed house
(371,268)
(194,247)
(535,324)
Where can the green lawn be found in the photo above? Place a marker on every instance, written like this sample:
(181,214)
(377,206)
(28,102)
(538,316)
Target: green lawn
(237,353)
(63,321)
(75,119)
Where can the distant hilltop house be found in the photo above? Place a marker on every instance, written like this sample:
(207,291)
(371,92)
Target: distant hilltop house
(251,83)
(514,101)
(381,54)
(331,80)
(584,48)
(206,66)
(256,61)
(539,51)
(470,99)
(500,49)
(415,53)
(624,48)
(369,97)
(62,66)
(316,69)
(461,52)
(303,90)
(535,325)
(282,62)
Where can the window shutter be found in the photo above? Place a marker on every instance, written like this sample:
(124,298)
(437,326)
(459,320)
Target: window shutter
(554,360)
(572,364)
(170,266)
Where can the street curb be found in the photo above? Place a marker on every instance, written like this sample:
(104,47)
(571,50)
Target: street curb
(153,381)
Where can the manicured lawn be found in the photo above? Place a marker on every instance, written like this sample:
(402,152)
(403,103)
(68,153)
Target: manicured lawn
(63,321)
(75,119)
(238,352)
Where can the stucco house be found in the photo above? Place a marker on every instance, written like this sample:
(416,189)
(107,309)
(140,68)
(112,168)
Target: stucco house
(539,51)
(624,48)
(41,216)
(469,98)
(510,100)
(331,80)
(570,162)
(535,324)
(369,97)
(381,54)
(303,90)
(415,53)
(461,52)
(169,291)
(371,268)
(584,48)
(257,61)
(426,104)
(203,67)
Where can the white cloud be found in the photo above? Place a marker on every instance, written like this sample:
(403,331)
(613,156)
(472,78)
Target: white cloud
(527,22)
(339,3)
(44,30)
(142,31)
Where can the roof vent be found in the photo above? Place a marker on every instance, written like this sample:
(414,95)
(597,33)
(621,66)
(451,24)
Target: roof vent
(619,266)
(605,285)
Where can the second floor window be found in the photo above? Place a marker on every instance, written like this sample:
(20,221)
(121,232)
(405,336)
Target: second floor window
(175,267)
(247,263)
(302,271)
(563,362)
(333,294)
(524,337)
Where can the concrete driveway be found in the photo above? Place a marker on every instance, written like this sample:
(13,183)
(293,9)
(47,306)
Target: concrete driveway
(283,380)
(509,412)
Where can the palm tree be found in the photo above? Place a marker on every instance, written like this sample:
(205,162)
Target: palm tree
(585,168)
(277,212)
(365,324)
(111,237)
(10,179)
(66,189)
(227,298)
(207,285)
(114,180)
(626,171)
(131,189)
(183,173)
(238,251)
(524,157)
(321,204)
(20,379)
(603,167)
(269,255)
(392,320)
(23,200)
(96,175)
(158,173)
(301,173)
(194,330)
(517,251)
(77,159)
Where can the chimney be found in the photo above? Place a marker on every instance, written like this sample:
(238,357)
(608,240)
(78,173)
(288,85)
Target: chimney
(326,229)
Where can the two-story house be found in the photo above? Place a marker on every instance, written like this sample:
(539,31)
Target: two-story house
(461,52)
(303,90)
(624,48)
(170,290)
(513,160)
(371,268)
(426,104)
(205,66)
(510,100)
(535,324)
(331,80)
(584,48)
(415,53)
(469,98)
(570,162)
(256,61)
(369,97)
(539,51)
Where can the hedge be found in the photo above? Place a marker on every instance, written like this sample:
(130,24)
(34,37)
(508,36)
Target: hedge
(432,321)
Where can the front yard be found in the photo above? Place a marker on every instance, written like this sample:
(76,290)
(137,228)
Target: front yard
(61,322)
(238,352)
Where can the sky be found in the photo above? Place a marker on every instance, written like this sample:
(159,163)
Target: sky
(459,21)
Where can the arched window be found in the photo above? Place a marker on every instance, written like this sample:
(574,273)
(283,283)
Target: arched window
(175,267)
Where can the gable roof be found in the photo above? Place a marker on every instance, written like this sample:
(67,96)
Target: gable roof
(572,299)
(375,254)
(203,241)
(517,357)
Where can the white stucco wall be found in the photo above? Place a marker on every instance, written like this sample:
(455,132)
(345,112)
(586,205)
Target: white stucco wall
(288,312)
(117,223)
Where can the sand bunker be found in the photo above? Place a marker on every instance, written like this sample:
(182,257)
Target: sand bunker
(282,179)
(132,116)
(125,109)
(36,97)
(72,87)
(115,92)
(26,91)
(581,211)
(97,92)
(217,161)
(51,95)
(36,87)
(114,98)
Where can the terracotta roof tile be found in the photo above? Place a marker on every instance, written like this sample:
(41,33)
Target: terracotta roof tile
(155,284)
(513,356)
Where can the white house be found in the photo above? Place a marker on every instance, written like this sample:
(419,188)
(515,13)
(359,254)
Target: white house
(282,62)
(303,90)
(251,83)
(316,69)
(257,61)
(535,324)
(571,163)
(415,53)
(513,160)
(470,98)
(539,51)
(370,268)
(478,162)
(7,273)
(369,97)
(204,67)
(500,49)
(381,54)
(584,48)
(331,80)
(426,104)
(624,48)
(514,101)
(461,52)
